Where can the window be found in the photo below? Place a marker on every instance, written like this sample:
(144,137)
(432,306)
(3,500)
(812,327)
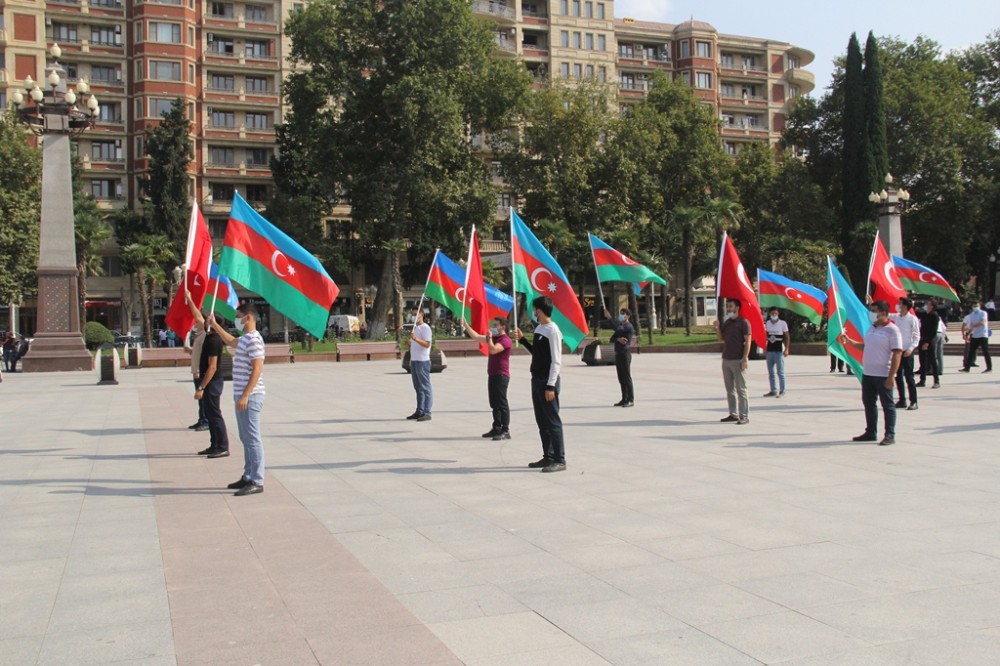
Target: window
(64,33)
(222,9)
(158,106)
(793,62)
(602,43)
(258,157)
(749,92)
(589,42)
(686,78)
(160,70)
(223,82)
(223,119)
(577,71)
(190,73)
(588,10)
(104,74)
(223,45)
(564,39)
(166,33)
(727,60)
(564,70)
(728,90)
(222,191)
(703,80)
(258,120)
(505,200)
(258,84)
(577,40)
(793,92)
(105,151)
(626,51)
(109,112)
(600,10)
(221,157)
(602,74)
(728,119)
(564,7)
(589,71)
(104,35)
(255,48)
(257,193)
(106,188)
(703,49)
(749,62)
(112,265)
(576,7)
(685,49)
(256,13)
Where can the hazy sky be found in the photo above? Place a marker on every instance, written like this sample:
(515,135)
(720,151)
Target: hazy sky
(825,27)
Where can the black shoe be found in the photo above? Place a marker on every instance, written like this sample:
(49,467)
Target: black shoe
(920,384)
(865,438)
(190,427)
(987,370)
(236,485)
(620,403)
(770,394)
(491,434)
(912,407)
(743,421)
(729,419)
(780,395)
(205,452)
(501,435)
(832,370)
(414,416)
(936,385)
(900,404)
(886,441)
(629,404)
(202,428)
(973,365)
(554,467)
(250,489)
(219,454)
(544,462)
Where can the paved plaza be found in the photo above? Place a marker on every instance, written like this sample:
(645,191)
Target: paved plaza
(670,539)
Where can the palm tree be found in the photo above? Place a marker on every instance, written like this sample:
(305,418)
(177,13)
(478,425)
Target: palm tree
(145,259)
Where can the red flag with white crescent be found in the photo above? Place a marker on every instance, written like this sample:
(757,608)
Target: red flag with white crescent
(882,274)
(732,282)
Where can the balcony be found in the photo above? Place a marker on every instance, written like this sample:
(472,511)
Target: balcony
(806,80)
(497,9)
(490,246)
(505,44)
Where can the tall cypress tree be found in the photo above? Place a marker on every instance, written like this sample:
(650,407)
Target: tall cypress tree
(854,175)
(876,149)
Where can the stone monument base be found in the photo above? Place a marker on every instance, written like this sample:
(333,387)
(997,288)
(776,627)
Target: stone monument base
(57,352)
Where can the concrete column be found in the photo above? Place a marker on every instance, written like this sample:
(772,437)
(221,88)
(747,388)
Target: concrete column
(889,227)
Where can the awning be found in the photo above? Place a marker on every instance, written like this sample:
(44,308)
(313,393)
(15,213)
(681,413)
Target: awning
(117,303)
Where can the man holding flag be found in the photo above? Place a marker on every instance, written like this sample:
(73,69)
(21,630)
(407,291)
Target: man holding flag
(498,374)
(546,361)
(734,334)
(883,351)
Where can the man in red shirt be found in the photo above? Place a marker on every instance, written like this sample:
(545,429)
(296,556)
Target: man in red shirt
(498,373)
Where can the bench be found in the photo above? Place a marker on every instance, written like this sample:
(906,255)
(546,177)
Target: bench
(367,351)
(459,347)
(166,357)
(278,352)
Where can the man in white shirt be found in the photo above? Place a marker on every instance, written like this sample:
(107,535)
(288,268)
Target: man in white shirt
(778,344)
(976,331)
(909,331)
(883,349)
(420,367)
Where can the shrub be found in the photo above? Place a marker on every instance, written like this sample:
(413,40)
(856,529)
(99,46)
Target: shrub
(95,335)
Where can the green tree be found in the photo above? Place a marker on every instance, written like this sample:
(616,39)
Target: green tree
(410,84)
(20,192)
(169,148)
(855,208)
(876,149)
(144,259)
(983,61)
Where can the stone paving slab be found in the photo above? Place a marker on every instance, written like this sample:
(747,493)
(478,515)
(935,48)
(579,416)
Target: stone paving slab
(671,539)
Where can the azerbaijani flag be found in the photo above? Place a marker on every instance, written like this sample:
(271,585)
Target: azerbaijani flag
(445,283)
(846,315)
(226,301)
(536,273)
(264,259)
(777,291)
(923,280)
(614,266)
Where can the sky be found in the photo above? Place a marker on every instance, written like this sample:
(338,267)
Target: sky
(825,27)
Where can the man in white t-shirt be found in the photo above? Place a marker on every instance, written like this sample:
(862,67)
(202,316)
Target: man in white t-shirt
(420,367)
(976,331)
(778,343)
(883,349)
(909,331)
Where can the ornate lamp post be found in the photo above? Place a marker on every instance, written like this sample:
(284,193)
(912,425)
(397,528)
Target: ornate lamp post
(891,201)
(52,111)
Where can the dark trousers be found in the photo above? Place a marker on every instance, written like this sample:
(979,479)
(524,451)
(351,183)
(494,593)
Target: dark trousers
(213,412)
(873,390)
(497,386)
(905,374)
(928,363)
(201,404)
(623,363)
(970,354)
(836,363)
(549,424)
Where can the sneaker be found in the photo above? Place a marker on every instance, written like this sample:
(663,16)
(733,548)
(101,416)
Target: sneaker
(865,437)
(629,404)
(500,436)
(491,434)
(743,421)
(963,369)
(729,419)
(936,385)
(987,370)
(202,428)
(780,395)
(770,394)
(250,489)
(920,384)
(886,441)
(912,407)
(194,425)
(414,416)
(554,467)
(620,403)
(423,417)
(205,452)
(219,454)
(900,404)
(544,462)
(236,485)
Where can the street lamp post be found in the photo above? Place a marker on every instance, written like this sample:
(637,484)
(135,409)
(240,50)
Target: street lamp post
(891,201)
(52,113)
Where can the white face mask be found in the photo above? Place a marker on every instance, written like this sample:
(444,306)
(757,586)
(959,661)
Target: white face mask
(240,324)
(621,317)
(872,316)
(494,332)
(730,315)
(774,317)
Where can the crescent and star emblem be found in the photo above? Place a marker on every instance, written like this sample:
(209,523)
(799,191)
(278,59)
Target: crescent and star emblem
(627,261)
(289,269)
(792,294)
(550,288)
(741,274)
(930,277)
(891,278)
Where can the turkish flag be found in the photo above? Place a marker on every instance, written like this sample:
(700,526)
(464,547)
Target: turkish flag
(882,273)
(732,282)
(475,291)
(198,260)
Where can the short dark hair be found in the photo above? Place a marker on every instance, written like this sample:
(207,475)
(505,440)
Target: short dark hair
(626,312)
(501,321)
(543,304)
(906,302)
(881,306)
(247,308)
(773,308)
(736,302)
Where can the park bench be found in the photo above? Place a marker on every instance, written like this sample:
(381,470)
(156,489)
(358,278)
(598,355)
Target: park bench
(278,352)
(367,351)
(459,347)
(166,357)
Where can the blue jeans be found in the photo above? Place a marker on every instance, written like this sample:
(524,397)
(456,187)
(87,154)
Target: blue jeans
(874,389)
(776,360)
(420,373)
(248,422)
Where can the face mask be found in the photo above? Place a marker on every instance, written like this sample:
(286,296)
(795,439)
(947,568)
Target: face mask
(872,316)
(494,332)
(240,324)
(899,310)
(774,317)
(730,315)
(621,317)
(975,309)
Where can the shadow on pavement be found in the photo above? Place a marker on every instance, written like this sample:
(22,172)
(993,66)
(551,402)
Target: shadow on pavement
(359,463)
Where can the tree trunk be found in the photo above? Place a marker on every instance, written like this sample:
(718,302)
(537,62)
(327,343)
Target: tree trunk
(397,293)
(651,311)
(688,260)
(377,322)
(146,304)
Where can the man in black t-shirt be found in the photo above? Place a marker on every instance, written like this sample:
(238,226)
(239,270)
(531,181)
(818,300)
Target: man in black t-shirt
(622,339)
(209,389)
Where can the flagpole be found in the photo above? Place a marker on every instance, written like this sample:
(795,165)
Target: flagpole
(833,281)
(468,265)
(420,305)
(871,265)
(600,289)
(513,269)
(215,294)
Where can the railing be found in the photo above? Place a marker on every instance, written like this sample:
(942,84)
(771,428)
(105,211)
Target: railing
(220,89)
(534,13)
(222,165)
(544,48)
(108,83)
(505,44)
(110,4)
(632,85)
(745,98)
(494,8)
(221,127)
